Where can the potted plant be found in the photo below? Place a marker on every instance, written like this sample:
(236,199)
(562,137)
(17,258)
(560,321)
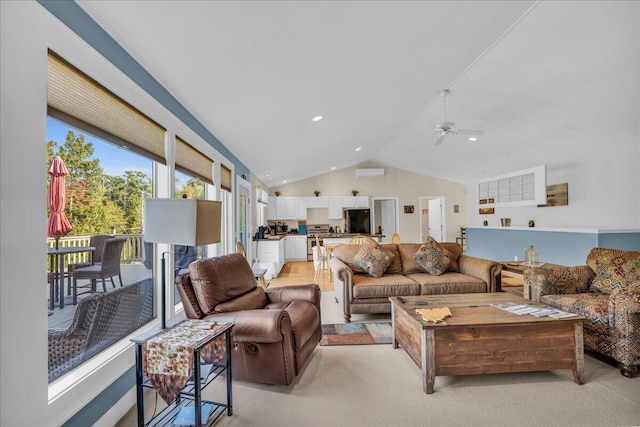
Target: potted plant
(316,192)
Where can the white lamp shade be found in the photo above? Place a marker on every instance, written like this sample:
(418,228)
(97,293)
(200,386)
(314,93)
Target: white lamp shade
(187,222)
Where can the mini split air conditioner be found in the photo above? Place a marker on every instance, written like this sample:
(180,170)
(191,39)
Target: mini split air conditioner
(370,173)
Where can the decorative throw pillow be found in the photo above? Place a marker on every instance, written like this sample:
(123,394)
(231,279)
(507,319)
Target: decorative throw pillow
(433,258)
(373,259)
(614,269)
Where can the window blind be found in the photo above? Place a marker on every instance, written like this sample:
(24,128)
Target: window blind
(77,99)
(225,178)
(193,162)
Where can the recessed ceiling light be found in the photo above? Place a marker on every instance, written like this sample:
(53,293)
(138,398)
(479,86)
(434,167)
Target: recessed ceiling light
(317,118)
(473,138)
(333,168)
(284,181)
(358,148)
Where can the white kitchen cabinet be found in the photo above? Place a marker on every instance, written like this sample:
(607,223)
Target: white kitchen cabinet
(317,202)
(272,208)
(295,248)
(335,207)
(302,208)
(312,202)
(348,202)
(282,208)
(362,201)
(292,208)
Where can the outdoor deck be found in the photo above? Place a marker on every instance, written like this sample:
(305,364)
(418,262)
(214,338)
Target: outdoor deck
(61,318)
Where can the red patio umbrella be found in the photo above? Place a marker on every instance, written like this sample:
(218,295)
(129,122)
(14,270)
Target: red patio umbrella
(57,224)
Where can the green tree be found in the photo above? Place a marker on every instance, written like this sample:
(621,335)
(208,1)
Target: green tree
(194,189)
(96,202)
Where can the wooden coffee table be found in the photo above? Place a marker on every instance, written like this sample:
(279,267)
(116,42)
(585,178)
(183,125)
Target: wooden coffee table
(481,339)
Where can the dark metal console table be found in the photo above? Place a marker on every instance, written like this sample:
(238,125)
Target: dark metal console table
(191,393)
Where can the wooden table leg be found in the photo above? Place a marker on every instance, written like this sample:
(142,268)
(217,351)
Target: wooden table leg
(428,350)
(578,366)
(394,342)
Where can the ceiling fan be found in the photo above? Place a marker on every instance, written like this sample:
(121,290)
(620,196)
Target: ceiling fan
(448,128)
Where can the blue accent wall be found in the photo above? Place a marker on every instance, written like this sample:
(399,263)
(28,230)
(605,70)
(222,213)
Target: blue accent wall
(74,17)
(92,412)
(556,247)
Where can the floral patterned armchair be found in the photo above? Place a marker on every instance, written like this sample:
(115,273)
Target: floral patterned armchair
(606,292)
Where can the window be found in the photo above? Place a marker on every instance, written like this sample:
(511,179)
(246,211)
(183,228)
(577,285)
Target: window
(525,187)
(187,187)
(105,192)
(109,147)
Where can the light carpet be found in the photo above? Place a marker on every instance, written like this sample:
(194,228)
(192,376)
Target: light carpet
(376,385)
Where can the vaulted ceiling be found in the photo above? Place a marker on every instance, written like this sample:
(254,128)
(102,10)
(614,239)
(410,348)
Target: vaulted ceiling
(548,82)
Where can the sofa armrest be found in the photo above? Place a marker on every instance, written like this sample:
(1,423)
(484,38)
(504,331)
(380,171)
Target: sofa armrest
(624,318)
(549,281)
(483,269)
(257,326)
(342,281)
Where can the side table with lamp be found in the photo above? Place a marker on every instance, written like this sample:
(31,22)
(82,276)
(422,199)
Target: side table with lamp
(186,222)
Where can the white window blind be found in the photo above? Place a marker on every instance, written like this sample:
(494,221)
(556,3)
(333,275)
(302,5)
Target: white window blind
(225,178)
(193,162)
(77,99)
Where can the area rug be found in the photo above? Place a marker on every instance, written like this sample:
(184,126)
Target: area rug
(356,333)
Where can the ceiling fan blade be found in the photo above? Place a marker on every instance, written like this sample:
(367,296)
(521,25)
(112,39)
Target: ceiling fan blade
(470,132)
(440,139)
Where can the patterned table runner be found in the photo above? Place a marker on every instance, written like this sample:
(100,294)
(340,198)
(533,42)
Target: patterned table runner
(167,358)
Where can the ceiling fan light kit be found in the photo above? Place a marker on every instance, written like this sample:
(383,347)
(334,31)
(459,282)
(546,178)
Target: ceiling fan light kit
(448,128)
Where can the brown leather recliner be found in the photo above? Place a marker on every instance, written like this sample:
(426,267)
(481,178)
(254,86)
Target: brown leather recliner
(275,330)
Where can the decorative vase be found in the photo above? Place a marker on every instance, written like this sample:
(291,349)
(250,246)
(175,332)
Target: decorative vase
(531,255)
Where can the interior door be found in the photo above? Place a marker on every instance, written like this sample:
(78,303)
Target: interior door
(435,219)
(387,219)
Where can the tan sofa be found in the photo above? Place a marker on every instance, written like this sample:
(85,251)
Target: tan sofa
(360,293)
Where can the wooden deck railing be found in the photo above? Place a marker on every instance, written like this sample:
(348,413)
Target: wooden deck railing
(133,251)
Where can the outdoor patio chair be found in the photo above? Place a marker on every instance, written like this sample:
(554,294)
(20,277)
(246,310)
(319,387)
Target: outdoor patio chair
(108,267)
(96,256)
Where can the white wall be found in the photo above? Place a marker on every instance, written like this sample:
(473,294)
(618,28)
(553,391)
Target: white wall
(407,186)
(603,193)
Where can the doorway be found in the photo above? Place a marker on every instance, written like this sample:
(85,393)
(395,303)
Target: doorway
(385,217)
(433,218)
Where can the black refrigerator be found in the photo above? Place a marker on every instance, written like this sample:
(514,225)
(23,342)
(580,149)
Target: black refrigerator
(358,221)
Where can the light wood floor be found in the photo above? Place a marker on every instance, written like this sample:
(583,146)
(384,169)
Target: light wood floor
(302,273)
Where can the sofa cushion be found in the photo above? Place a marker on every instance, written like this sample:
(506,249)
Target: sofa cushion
(615,269)
(433,258)
(592,305)
(396,263)
(373,259)
(407,254)
(389,285)
(185,289)
(252,300)
(347,254)
(456,251)
(217,280)
(448,283)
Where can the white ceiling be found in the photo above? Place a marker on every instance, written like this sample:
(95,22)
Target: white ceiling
(548,82)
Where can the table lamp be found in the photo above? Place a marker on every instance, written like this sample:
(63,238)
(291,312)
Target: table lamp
(187,222)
